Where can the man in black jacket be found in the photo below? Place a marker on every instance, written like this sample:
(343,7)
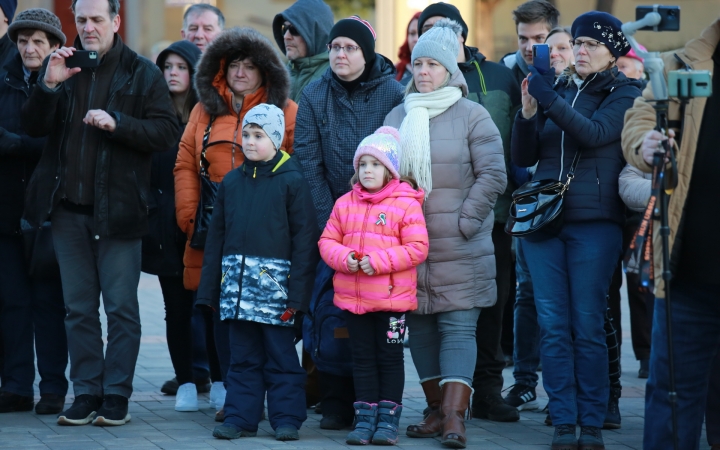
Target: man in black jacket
(92,181)
(32,306)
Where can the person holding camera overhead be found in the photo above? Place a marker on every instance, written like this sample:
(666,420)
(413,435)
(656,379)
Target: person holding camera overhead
(574,125)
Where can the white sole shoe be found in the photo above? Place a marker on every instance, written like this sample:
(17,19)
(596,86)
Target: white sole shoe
(62,420)
(101,421)
(186,399)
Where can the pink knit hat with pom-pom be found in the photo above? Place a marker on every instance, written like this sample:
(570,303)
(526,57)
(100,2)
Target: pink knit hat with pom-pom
(383,145)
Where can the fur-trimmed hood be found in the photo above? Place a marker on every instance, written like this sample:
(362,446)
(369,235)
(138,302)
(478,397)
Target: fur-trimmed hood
(210,81)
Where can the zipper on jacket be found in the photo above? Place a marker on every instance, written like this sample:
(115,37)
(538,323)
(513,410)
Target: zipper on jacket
(254,172)
(84,135)
(562,138)
(362,251)
(240,283)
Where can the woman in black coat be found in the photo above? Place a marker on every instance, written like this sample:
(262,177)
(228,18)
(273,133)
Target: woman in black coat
(163,247)
(580,114)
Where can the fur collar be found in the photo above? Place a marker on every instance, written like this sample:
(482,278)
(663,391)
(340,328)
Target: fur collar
(265,57)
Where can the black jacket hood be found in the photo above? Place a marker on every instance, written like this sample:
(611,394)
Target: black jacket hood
(263,54)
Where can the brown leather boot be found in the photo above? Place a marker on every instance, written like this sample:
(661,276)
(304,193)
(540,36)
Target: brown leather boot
(455,402)
(431,426)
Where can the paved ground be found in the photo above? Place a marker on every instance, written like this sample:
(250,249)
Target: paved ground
(155,423)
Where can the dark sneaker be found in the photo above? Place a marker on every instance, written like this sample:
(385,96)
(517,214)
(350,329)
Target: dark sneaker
(113,412)
(170,387)
(10,402)
(522,397)
(612,416)
(82,411)
(230,431)
(287,433)
(644,371)
(50,404)
(590,439)
(564,438)
(493,407)
(333,422)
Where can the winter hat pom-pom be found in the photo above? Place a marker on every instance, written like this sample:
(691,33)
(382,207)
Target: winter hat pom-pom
(449,23)
(389,130)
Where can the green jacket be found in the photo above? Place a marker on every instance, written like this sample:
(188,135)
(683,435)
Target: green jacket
(493,86)
(304,71)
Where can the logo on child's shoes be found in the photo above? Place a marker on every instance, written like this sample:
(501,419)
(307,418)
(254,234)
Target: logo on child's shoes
(396,330)
(381,219)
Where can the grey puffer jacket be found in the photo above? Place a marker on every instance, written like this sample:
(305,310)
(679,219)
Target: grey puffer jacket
(468,172)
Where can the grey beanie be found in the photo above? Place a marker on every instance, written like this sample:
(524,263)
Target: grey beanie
(271,119)
(37,19)
(440,43)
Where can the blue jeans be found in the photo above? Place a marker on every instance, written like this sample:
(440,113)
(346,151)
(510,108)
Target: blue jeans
(696,341)
(443,345)
(264,359)
(526,351)
(32,315)
(572,273)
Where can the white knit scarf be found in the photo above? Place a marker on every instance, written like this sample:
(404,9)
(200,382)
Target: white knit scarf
(415,132)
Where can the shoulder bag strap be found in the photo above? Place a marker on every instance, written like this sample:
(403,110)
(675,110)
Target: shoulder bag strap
(204,163)
(573,166)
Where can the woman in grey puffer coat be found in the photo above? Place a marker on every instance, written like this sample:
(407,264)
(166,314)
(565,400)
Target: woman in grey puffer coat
(454,150)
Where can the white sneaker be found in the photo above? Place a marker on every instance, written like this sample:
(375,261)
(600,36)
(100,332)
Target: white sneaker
(217,395)
(186,398)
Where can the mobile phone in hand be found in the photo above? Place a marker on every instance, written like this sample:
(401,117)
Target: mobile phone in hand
(541,58)
(82,58)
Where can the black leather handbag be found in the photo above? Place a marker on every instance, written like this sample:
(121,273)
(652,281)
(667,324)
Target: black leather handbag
(539,205)
(208,192)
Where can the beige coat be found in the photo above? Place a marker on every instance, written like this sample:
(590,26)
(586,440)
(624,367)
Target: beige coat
(635,186)
(468,173)
(641,118)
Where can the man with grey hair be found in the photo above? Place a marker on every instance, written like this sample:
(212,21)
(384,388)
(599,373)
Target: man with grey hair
(201,24)
(92,182)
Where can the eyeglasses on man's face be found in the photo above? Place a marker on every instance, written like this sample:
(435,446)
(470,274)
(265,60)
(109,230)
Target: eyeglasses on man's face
(348,49)
(590,44)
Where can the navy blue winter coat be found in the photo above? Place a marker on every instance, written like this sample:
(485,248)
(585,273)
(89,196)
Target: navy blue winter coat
(588,119)
(261,250)
(331,123)
(19,153)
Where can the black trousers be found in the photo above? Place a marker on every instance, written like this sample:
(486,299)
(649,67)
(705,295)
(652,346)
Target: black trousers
(178,328)
(488,378)
(338,395)
(376,340)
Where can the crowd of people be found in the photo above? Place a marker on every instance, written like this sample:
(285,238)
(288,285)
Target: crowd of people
(341,199)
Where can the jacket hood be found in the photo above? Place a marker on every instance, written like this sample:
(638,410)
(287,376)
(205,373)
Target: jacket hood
(312,18)
(472,53)
(381,67)
(394,189)
(458,80)
(186,50)
(210,82)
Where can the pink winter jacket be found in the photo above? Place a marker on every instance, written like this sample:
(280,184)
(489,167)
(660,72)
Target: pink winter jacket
(389,228)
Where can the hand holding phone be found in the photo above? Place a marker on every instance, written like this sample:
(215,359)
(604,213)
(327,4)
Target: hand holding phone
(82,59)
(541,58)
(57,71)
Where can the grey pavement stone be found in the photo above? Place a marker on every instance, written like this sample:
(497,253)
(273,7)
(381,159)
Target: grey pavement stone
(155,423)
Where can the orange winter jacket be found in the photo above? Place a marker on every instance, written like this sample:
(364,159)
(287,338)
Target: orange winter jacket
(215,97)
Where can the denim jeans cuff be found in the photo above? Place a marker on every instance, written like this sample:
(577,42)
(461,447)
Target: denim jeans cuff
(78,391)
(458,380)
(429,379)
(119,391)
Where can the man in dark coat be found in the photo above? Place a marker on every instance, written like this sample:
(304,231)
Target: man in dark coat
(32,307)
(92,181)
(493,86)
(301,32)
(7,12)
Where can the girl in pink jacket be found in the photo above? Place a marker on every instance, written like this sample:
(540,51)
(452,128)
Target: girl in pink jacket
(375,238)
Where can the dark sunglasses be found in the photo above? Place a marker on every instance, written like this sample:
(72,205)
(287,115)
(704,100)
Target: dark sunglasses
(291,28)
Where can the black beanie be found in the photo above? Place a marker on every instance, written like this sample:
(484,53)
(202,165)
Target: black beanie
(602,27)
(185,49)
(358,30)
(444,10)
(8,7)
